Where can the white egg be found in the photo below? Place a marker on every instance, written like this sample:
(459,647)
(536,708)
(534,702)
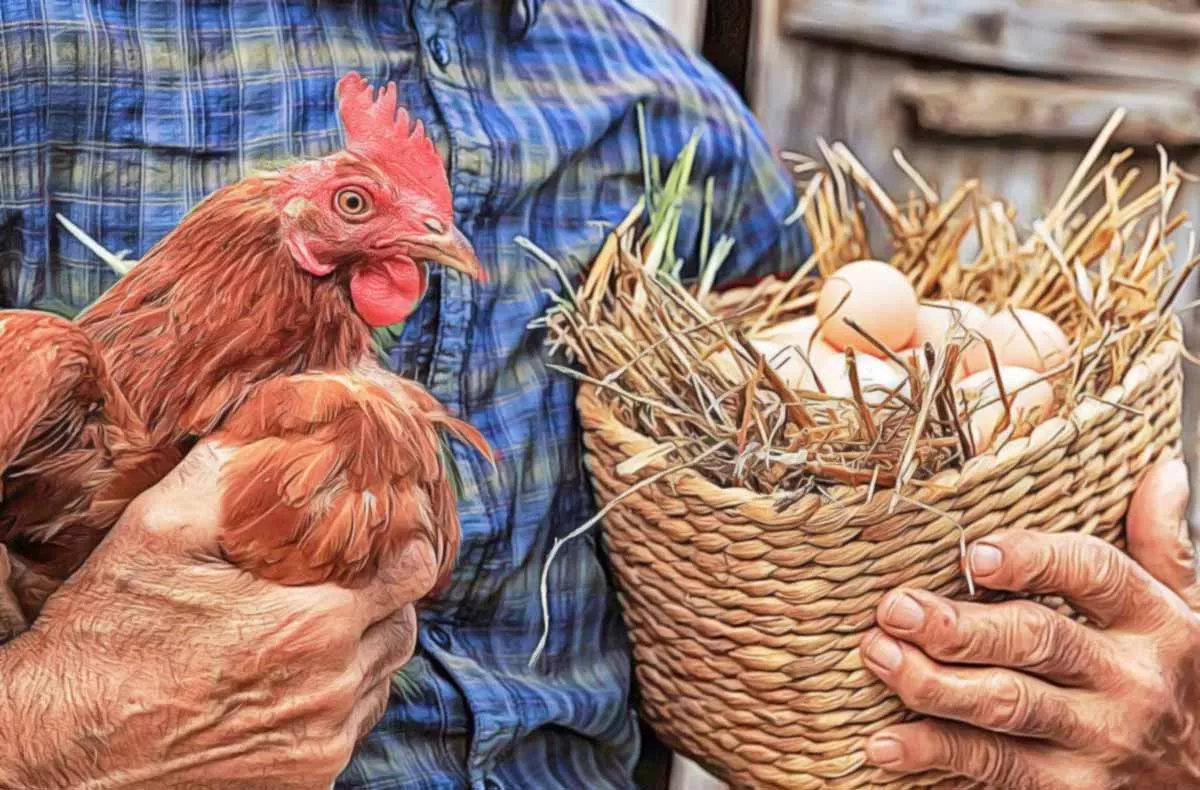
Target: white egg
(1026,393)
(876,377)
(798,331)
(787,361)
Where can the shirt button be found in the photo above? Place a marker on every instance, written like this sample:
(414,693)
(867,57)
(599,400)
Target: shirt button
(441,52)
(439,637)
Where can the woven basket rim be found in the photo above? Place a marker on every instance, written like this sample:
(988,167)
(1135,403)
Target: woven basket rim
(1157,363)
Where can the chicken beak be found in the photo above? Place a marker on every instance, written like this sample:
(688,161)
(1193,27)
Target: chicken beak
(452,250)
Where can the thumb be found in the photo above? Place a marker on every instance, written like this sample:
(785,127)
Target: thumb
(1157,532)
(181,513)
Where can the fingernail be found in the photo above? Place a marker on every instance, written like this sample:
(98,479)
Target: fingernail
(884,652)
(904,613)
(1176,471)
(1176,480)
(985,559)
(885,750)
(1186,543)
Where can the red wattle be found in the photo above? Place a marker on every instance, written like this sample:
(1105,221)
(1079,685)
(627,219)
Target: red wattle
(387,293)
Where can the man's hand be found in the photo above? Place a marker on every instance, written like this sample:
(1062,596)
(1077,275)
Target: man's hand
(159,665)
(1032,700)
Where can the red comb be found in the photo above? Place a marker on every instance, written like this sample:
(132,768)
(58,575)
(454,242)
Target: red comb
(376,125)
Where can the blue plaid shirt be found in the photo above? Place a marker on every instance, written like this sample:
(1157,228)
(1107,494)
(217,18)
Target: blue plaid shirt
(122,115)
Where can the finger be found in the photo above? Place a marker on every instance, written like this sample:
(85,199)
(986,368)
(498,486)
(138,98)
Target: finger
(991,759)
(1098,579)
(1016,634)
(1156,530)
(369,710)
(999,700)
(388,645)
(179,516)
(404,582)
(357,612)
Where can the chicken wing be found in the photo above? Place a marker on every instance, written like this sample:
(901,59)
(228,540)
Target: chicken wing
(72,452)
(334,474)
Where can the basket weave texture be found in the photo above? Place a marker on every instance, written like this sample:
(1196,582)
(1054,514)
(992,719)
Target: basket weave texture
(746,620)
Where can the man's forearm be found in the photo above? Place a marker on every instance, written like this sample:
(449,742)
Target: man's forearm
(22,698)
(41,746)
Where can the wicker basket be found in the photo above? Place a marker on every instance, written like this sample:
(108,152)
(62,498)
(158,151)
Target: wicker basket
(746,621)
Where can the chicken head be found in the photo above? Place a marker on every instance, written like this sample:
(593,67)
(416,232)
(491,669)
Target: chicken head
(377,211)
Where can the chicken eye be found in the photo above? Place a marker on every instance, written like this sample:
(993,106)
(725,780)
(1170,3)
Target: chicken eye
(352,203)
(435,226)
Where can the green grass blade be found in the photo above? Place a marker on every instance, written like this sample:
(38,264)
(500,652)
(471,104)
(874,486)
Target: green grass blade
(643,142)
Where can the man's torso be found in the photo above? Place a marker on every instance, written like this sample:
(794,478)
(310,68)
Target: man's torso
(121,116)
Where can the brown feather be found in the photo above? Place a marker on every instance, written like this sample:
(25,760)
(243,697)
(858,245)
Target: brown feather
(72,453)
(216,307)
(333,477)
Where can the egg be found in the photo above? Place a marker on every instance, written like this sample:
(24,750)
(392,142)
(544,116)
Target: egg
(936,320)
(877,297)
(1025,392)
(788,359)
(798,331)
(787,362)
(1010,338)
(943,320)
(876,377)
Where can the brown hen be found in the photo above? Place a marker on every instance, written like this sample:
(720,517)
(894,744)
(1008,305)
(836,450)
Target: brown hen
(251,323)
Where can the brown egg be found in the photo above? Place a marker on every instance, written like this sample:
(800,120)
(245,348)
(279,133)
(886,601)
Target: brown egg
(877,297)
(1026,394)
(936,320)
(943,320)
(1010,338)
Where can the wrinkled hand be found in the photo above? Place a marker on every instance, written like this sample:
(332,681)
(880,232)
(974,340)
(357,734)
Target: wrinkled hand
(1031,700)
(159,665)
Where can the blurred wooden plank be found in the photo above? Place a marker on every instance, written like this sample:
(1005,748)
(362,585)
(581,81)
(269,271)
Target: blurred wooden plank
(1115,38)
(969,104)
(685,20)
(770,55)
(795,91)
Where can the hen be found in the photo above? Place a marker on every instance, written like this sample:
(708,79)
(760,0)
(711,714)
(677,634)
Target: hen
(250,323)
